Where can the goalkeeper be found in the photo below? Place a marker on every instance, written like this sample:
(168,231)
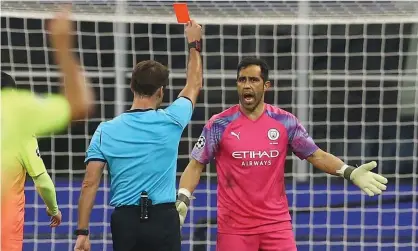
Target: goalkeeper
(249,142)
(140,148)
(24,115)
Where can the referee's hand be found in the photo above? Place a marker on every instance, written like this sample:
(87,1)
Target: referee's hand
(82,243)
(193,31)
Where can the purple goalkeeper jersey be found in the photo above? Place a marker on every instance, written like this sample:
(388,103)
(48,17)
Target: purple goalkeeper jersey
(250,158)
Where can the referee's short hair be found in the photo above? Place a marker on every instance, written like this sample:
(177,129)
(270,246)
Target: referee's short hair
(7,81)
(148,76)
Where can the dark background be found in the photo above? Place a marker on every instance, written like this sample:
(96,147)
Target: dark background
(345,49)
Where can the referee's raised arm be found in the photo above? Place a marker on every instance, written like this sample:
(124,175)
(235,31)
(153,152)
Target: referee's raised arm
(180,111)
(194,67)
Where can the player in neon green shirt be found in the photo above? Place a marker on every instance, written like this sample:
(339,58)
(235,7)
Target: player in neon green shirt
(29,162)
(24,115)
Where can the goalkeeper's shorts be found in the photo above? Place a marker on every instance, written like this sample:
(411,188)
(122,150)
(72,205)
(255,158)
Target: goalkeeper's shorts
(160,232)
(281,240)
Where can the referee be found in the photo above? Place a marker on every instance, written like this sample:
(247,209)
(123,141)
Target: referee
(140,149)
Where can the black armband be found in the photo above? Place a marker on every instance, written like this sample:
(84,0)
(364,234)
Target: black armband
(183,198)
(196,44)
(347,172)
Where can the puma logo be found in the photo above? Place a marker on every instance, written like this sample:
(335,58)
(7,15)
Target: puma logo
(234,134)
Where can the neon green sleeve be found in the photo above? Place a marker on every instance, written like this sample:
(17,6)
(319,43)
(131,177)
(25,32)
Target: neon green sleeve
(46,114)
(46,190)
(31,158)
(23,114)
(28,114)
(34,165)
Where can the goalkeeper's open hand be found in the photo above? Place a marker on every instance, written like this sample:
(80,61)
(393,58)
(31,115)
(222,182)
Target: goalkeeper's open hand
(182,205)
(182,210)
(371,183)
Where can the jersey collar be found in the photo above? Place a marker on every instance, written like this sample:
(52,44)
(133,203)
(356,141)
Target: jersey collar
(139,110)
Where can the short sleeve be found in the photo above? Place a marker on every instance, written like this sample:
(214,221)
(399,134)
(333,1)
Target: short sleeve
(300,142)
(208,143)
(31,158)
(93,152)
(180,111)
(47,114)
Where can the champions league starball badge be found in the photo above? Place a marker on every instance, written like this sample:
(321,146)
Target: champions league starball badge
(201,142)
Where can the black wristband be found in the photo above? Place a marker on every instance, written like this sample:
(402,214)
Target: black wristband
(196,45)
(183,198)
(78,232)
(347,172)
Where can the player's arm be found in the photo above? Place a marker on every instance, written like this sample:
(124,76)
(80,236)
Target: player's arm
(53,112)
(202,153)
(305,148)
(326,162)
(95,163)
(371,183)
(181,110)
(194,66)
(76,86)
(46,190)
(190,179)
(90,185)
(33,163)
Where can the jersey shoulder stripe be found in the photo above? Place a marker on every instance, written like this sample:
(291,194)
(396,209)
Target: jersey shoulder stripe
(224,118)
(275,112)
(287,119)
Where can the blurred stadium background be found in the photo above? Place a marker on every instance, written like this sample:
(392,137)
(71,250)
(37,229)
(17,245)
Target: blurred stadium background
(347,69)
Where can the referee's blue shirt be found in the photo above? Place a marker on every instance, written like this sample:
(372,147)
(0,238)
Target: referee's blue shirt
(140,148)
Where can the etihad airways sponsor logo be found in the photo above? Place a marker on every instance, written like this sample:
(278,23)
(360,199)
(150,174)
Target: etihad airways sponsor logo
(256,158)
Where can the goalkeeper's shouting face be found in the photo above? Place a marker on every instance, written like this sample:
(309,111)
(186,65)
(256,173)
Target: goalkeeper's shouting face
(252,82)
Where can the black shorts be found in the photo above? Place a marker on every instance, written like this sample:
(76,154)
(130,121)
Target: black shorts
(161,232)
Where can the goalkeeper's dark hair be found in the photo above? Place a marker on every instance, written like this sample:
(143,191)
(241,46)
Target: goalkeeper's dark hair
(7,81)
(148,76)
(245,62)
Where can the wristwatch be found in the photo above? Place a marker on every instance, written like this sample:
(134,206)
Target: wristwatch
(78,232)
(196,44)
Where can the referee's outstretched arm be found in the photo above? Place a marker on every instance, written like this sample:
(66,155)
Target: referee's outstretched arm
(194,67)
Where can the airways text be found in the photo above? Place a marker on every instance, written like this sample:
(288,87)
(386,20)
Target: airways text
(256,158)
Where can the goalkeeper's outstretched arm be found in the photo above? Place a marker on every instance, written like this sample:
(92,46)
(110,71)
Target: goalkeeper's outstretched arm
(371,183)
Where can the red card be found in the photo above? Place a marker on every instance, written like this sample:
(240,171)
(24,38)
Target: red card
(182,12)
